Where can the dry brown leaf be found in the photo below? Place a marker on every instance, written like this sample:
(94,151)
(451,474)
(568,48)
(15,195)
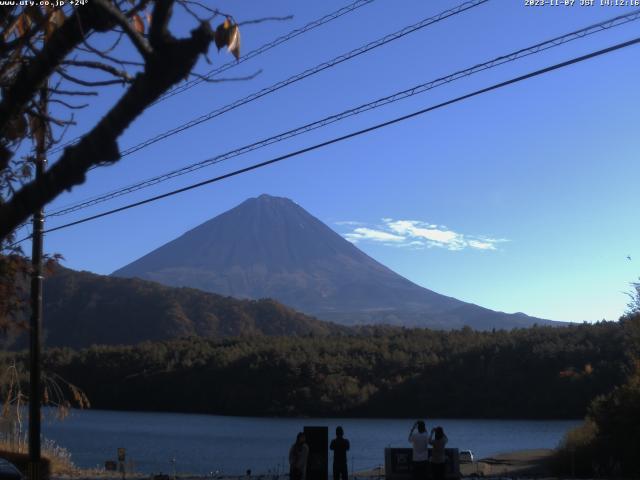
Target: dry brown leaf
(18,24)
(37,126)
(228,35)
(56,19)
(138,24)
(222,34)
(24,23)
(234,41)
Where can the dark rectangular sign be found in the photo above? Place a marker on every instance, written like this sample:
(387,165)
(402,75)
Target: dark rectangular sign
(318,461)
(397,463)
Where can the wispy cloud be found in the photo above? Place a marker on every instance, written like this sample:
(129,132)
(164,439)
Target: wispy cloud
(418,234)
(349,222)
(364,233)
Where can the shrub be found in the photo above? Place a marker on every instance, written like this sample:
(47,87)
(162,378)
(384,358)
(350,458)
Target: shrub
(574,455)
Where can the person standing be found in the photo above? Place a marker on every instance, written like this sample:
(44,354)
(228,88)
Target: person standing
(438,440)
(298,454)
(420,442)
(340,447)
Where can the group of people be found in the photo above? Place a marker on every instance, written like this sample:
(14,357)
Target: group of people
(420,440)
(299,453)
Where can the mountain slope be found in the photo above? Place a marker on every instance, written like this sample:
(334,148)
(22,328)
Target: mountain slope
(271,247)
(82,308)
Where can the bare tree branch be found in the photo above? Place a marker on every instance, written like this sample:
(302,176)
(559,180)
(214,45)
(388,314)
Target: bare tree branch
(105,54)
(158,31)
(214,11)
(100,66)
(21,40)
(68,105)
(49,118)
(73,92)
(170,62)
(137,9)
(89,83)
(61,42)
(138,40)
(114,44)
(186,7)
(6,14)
(266,19)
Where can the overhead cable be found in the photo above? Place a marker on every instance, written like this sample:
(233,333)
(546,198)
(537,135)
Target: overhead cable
(421,88)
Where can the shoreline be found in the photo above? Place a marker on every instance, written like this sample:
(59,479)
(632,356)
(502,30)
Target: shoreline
(517,464)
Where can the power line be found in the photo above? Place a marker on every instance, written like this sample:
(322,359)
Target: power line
(300,76)
(266,47)
(254,53)
(307,73)
(353,134)
(524,52)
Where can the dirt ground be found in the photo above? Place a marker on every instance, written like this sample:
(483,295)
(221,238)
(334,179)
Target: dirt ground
(520,464)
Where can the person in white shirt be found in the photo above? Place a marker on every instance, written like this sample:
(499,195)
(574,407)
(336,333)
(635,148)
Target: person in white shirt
(420,442)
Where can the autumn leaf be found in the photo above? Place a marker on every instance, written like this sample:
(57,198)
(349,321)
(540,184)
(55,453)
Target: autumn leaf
(38,128)
(138,24)
(24,23)
(21,24)
(55,21)
(228,35)
(234,42)
(222,34)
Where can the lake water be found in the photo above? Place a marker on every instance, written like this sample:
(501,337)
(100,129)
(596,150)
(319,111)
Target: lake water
(202,444)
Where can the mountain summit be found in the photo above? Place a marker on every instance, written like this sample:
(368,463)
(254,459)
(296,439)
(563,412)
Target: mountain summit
(271,247)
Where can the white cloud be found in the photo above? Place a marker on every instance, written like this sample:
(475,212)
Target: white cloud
(418,234)
(364,233)
(434,235)
(349,222)
(481,245)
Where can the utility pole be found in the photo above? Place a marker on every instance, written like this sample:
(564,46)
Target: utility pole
(35,342)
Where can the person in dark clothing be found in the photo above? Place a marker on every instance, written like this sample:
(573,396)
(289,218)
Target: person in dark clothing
(438,458)
(340,447)
(298,455)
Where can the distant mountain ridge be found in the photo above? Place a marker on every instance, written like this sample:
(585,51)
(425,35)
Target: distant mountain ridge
(270,247)
(82,308)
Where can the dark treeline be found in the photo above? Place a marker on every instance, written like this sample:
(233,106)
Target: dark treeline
(540,372)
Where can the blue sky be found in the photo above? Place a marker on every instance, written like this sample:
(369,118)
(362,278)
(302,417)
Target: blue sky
(521,199)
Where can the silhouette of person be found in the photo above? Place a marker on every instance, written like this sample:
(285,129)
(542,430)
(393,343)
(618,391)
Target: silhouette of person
(438,440)
(298,454)
(340,447)
(420,442)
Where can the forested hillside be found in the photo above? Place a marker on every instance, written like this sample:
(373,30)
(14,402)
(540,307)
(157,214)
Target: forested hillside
(541,372)
(82,308)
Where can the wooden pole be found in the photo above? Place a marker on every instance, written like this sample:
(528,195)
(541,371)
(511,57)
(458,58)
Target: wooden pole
(35,342)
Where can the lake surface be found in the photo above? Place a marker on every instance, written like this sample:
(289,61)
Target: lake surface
(202,444)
